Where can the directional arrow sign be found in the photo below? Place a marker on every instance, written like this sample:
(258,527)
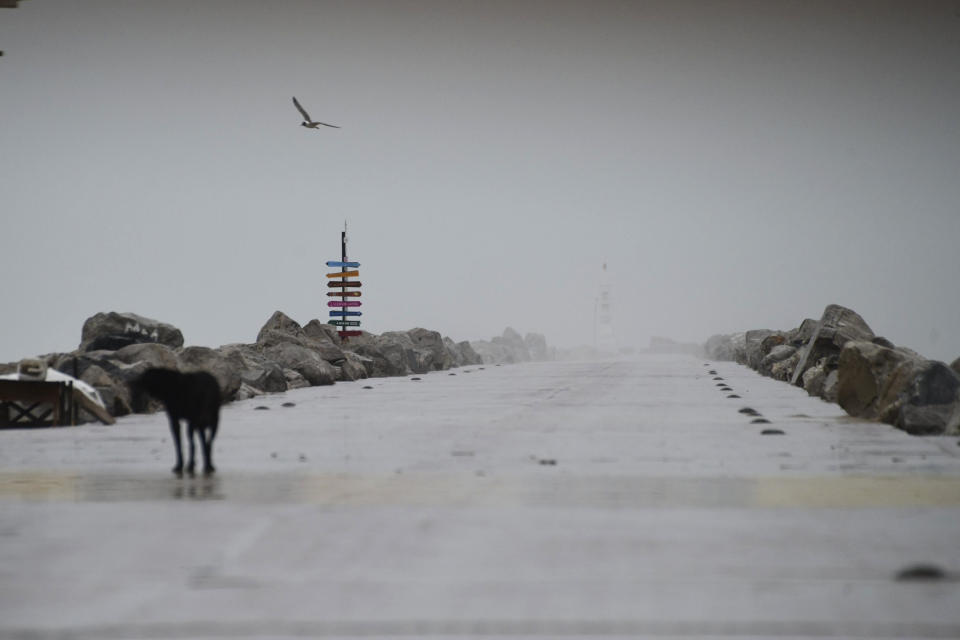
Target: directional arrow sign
(349,334)
(347,303)
(337,263)
(340,294)
(349,283)
(343,274)
(345,313)
(344,323)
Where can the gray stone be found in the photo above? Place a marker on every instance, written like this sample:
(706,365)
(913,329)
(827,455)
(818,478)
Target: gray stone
(295,380)
(454,350)
(776,355)
(722,346)
(470,357)
(536,344)
(837,326)
(432,342)
(281,329)
(154,354)
(514,342)
(112,331)
(955,365)
(417,360)
(307,362)
(754,340)
(215,363)
(255,369)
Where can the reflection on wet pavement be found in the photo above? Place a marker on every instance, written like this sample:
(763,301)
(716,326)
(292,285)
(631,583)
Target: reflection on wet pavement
(440,489)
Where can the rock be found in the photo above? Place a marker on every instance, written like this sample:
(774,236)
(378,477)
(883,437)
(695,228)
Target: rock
(439,358)
(381,358)
(837,326)
(755,340)
(295,380)
(898,387)
(281,329)
(215,363)
(871,376)
(245,392)
(783,370)
(112,331)
(353,367)
(417,360)
(955,365)
(536,345)
(514,342)
(154,354)
(454,350)
(322,331)
(492,352)
(470,357)
(304,361)
(777,354)
(814,378)
(255,369)
(722,346)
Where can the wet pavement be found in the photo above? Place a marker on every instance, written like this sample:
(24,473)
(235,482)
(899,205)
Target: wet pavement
(613,499)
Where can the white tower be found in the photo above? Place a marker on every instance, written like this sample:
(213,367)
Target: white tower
(606,342)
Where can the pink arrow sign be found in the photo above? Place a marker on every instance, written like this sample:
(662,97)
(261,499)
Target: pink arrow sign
(347,303)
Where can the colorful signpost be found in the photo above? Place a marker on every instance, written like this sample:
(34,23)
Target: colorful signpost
(339,280)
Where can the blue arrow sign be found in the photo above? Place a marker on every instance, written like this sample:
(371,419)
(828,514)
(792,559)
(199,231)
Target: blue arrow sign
(345,313)
(337,263)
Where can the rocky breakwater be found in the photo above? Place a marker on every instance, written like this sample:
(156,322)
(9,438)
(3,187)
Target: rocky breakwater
(839,359)
(115,348)
(511,347)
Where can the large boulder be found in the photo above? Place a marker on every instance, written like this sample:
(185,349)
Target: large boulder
(837,326)
(281,329)
(417,360)
(213,362)
(514,342)
(724,346)
(432,342)
(381,359)
(536,344)
(470,357)
(154,354)
(455,352)
(493,352)
(755,341)
(304,361)
(898,387)
(256,370)
(776,363)
(111,331)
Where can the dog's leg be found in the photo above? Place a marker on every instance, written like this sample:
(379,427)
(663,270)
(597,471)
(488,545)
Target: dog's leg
(175,432)
(206,438)
(190,433)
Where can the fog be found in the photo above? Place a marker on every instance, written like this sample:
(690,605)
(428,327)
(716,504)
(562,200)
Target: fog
(736,165)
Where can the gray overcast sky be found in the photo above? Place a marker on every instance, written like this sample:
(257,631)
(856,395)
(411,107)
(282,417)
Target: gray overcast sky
(738,164)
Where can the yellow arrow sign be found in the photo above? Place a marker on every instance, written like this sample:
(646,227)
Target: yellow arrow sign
(344,274)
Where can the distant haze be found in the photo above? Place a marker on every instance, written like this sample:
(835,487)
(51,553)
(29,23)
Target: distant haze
(736,164)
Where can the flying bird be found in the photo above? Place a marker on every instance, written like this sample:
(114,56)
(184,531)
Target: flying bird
(307,121)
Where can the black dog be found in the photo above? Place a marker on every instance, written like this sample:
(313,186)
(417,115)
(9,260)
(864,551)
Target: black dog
(194,397)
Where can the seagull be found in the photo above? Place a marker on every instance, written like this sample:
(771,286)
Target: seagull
(307,122)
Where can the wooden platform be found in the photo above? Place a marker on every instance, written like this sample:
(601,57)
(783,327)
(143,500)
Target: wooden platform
(30,403)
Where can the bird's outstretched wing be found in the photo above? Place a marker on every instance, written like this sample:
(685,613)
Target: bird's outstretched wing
(327,125)
(303,112)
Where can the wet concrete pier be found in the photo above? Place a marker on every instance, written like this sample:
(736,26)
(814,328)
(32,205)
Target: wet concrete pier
(658,497)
